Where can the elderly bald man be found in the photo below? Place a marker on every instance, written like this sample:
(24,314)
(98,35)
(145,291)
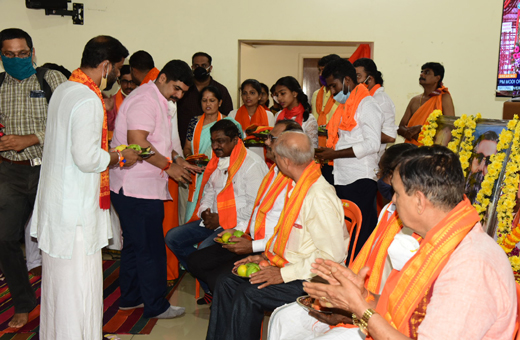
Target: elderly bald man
(311,225)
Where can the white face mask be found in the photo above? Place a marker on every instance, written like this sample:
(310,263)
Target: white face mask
(341,97)
(104,80)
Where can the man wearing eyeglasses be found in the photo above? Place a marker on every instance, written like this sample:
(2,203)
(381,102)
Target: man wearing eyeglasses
(23,112)
(484,147)
(127,85)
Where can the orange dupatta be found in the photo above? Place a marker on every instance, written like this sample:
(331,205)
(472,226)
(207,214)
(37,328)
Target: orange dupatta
(373,90)
(375,250)
(290,212)
(227,210)
(104,191)
(196,142)
(323,112)
(119,97)
(271,193)
(423,112)
(343,118)
(151,75)
(405,290)
(258,119)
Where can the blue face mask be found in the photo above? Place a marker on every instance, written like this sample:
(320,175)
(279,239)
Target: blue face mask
(19,68)
(385,190)
(341,97)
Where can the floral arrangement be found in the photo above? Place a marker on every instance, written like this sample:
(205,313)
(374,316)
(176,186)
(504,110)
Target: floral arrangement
(429,129)
(466,144)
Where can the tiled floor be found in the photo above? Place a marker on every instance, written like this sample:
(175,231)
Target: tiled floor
(191,326)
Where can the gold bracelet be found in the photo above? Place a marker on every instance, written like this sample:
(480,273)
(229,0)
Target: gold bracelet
(363,322)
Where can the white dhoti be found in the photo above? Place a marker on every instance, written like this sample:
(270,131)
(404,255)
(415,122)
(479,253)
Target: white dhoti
(72,295)
(292,322)
(33,254)
(116,242)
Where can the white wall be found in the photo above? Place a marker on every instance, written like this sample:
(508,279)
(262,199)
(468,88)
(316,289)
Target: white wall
(462,34)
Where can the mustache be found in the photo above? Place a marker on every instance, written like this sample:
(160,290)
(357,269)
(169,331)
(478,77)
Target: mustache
(421,78)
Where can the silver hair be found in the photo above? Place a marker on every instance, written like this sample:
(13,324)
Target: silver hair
(299,154)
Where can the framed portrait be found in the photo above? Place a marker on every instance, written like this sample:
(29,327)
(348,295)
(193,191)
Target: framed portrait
(486,137)
(445,124)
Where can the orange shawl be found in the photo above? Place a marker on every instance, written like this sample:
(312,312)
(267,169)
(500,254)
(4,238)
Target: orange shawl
(343,118)
(291,210)
(258,119)
(323,112)
(374,89)
(375,250)
(423,112)
(227,210)
(104,194)
(405,291)
(271,193)
(196,142)
(151,75)
(119,97)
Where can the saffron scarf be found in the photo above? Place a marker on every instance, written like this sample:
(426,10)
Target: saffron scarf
(226,205)
(295,113)
(290,212)
(258,119)
(196,143)
(119,97)
(374,89)
(343,118)
(409,290)
(104,193)
(423,112)
(151,75)
(375,250)
(265,204)
(323,112)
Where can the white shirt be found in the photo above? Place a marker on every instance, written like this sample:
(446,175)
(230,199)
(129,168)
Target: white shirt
(365,141)
(246,183)
(310,127)
(388,108)
(172,112)
(69,187)
(271,218)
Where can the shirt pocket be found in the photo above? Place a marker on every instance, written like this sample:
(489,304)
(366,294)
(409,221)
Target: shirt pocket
(37,108)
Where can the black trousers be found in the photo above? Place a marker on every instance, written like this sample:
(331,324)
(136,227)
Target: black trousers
(18,185)
(142,276)
(209,263)
(238,306)
(363,193)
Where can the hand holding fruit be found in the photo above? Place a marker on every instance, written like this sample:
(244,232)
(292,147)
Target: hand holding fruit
(249,259)
(239,245)
(270,275)
(131,156)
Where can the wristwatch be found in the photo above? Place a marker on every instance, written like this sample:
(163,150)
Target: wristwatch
(363,322)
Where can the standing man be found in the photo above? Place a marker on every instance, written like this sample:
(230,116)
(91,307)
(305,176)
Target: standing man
(113,103)
(142,67)
(189,106)
(23,112)
(138,192)
(71,215)
(434,97)
(354,139)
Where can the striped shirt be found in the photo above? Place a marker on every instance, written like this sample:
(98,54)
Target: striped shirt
(22,114)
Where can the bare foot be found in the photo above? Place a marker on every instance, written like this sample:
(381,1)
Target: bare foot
(19,320)
(36,271)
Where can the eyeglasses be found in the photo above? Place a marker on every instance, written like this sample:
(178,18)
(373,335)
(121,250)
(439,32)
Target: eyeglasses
(21,54)
(127,82)
(480,157)
(271,137)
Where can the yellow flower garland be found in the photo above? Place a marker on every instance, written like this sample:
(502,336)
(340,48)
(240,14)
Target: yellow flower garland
(494,169)
(456,134)
(466,144)
(429,129)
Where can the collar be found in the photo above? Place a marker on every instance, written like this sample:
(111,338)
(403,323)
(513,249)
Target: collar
(223,163)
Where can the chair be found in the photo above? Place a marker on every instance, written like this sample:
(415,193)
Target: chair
(352,213)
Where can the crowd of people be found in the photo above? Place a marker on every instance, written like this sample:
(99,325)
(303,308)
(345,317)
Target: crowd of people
(71,154)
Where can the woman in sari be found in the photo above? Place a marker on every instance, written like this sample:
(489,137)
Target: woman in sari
(198,138)
(296,106)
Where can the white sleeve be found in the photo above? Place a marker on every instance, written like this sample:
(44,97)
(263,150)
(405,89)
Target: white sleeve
(86,133)
(208,197)
(369,117)
(388,108)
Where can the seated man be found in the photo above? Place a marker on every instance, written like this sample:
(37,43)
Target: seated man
(311,226)
(231,181)
(389,247)
(208,263)
(458,285)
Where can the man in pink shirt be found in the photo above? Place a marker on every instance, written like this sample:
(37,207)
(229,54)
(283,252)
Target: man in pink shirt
(138,192)
(458,285)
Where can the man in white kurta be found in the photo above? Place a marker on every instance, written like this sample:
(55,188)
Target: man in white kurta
(68,221)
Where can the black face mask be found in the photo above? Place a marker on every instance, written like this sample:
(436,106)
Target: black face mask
(200,73)
(386,190)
